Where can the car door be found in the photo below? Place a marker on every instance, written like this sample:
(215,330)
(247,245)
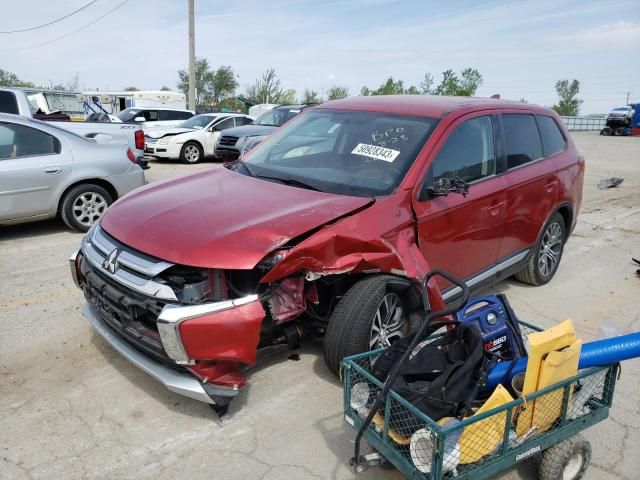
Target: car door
(33,165)
(532,185)
(213,133)
(457,233)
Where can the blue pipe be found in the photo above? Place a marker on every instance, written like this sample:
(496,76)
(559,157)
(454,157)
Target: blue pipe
(600,352)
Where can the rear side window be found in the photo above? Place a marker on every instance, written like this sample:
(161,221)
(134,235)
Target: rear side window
(8,103)
(522,140)
(184,115)
(468,152)
(554,141)
(20,141)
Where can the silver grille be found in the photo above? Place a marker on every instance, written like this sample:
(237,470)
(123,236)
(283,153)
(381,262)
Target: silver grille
(125,266)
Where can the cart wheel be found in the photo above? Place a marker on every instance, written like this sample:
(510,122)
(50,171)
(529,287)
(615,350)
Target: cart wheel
(568,460)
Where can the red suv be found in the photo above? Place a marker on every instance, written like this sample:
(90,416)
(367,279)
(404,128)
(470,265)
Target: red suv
(326,228)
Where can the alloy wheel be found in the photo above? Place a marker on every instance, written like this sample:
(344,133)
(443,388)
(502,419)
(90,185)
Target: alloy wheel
(550,249)
(88,208)
(191,153)
(388,322)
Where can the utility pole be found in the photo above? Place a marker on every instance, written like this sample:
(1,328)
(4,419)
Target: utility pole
(628,94)
(192,58)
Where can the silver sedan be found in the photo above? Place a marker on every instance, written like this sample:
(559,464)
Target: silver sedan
(46,171)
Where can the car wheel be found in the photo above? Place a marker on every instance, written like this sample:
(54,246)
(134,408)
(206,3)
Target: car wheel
(83,205)
(369,316)
(191,153)
(545,258)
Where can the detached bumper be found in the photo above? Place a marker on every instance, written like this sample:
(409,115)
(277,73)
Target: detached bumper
(183,384)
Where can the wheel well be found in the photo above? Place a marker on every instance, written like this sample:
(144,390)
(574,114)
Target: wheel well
(90,181)
(567,216)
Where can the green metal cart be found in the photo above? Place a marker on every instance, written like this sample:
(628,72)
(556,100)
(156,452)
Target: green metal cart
(435,453)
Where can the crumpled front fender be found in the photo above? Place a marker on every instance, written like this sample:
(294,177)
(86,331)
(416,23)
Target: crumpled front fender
(380,239)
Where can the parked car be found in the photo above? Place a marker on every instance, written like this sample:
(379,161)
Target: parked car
(46,171)
(235,141)
(154,117)
(195,138)
(328,227)
(15,101)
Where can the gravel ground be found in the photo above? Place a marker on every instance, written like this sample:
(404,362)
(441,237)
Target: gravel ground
(71,407)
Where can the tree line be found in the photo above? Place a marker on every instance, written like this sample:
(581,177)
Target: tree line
(217,88)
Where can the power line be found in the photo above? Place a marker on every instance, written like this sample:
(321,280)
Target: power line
(52,22)
(70,33)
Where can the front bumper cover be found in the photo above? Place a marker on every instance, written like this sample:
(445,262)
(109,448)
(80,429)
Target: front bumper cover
(182,383)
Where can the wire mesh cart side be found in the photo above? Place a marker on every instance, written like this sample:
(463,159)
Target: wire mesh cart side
(485,443)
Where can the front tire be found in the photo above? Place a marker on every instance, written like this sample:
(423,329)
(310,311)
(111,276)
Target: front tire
(368,316)
(191,153)
(545,258)
(83,205)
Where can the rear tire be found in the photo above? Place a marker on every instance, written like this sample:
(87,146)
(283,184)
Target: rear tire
(191,153)
(545,258)
(568,460)
(84,205)
(351,327)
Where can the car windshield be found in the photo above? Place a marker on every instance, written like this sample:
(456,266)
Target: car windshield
(621,109)
(197,122)
(128,114)
(342,152)
(276,117)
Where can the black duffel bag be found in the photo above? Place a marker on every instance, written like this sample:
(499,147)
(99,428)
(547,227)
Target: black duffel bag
(442,377)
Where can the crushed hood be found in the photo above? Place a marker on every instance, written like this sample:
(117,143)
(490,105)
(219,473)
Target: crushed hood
(219,218)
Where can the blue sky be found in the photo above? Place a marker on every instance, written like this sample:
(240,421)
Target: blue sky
(521,48)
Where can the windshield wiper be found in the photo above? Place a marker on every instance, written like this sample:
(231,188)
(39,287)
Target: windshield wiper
(289,181)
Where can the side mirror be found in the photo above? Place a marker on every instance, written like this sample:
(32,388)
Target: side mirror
(139,119)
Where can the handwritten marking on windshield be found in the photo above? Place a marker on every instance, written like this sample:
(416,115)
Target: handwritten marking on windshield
(373,151)
(389,136)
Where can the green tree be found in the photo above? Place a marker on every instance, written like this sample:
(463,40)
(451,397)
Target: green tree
(464,86)
(390,87)
(336,93)
(203,79)
(9,79)
(131,89)
(365,91)
(569,103)
(288,97)
(164,88)
(426,85)
(310,96)
(266,89)
(223,84)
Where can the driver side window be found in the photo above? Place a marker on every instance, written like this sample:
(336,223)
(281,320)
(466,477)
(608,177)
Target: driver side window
(468,153)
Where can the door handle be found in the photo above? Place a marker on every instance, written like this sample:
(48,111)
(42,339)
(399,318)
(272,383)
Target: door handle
(53,169)
(495,207)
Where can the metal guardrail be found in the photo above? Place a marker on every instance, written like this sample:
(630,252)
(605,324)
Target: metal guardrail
(584,123)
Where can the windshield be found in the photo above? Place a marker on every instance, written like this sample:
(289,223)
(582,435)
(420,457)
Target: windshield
(622,109)
(197,122)
(128,115)
(343,152)
(277,117)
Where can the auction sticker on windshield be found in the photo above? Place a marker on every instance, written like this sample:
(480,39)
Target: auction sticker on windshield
(379,153)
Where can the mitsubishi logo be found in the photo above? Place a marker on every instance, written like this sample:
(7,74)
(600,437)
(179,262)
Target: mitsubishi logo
(111,263)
